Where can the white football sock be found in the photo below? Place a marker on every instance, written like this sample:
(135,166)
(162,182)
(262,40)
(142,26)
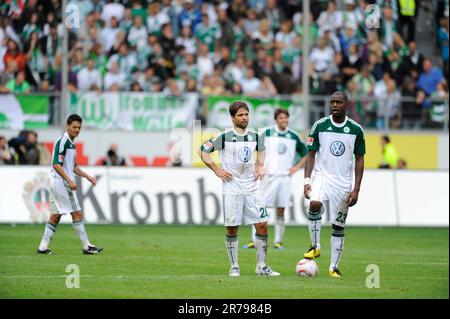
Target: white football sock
(337,246)
(314,226)
(81,231)
(261,249)
(253,233)
(49,231)
(279,229)
(232,244)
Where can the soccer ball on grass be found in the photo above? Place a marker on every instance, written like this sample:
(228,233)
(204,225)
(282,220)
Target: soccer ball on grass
(307,268)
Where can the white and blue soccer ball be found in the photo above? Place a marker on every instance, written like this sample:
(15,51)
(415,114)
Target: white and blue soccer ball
(307,268)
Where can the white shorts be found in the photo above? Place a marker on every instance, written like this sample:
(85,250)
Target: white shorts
(276,190)
(249,209)
(338,208)
(62,199)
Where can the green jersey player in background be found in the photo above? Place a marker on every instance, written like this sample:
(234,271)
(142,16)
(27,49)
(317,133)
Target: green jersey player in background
(239,171)
(332,143)
(285,155)
(63,199)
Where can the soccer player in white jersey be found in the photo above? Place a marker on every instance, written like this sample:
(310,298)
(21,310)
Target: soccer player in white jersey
(285,155)
(332,143)
(63,198)
(239,171)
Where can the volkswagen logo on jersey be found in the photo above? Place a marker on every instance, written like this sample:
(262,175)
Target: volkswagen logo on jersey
(282,148)
(337,148)
(244,154)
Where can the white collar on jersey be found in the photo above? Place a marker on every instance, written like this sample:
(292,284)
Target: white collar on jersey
(67,135)
(246,132)
(338,124)
(281,132)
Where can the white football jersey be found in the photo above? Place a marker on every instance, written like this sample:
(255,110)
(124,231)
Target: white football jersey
(335,144)
(237,156)
(64,153)
(282,148)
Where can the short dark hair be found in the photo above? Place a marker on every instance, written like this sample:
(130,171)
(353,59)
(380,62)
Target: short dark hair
(280,111)
(74,118)
(386,138)
(344,95)
(235,106)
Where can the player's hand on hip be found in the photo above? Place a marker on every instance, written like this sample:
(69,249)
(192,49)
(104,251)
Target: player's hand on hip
(92,180)
(224,175)
(307,191)
(73,185)
(292,171)
(352,199)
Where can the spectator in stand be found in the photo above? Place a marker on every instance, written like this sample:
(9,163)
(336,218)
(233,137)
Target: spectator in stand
(72,76)
(412,63)
(251,85)
(329,18)
(19,84)
(430,77)
(411,108)
(13,54)
(115,79)
(189,13)
(109,33)
(390,108)
(89,78)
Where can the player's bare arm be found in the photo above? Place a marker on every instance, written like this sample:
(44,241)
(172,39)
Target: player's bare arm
(359,169)
(58,168)
(297,166)
(77,170)
(259,165)
(309,165)
(220,172)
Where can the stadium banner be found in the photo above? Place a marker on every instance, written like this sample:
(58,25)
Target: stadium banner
(194,196)
(20,112)
(134,111)
(261,112)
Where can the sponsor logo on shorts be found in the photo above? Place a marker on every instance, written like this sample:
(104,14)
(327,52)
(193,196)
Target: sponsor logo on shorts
(244,154)
(337,148)
(310,141)
(60,158)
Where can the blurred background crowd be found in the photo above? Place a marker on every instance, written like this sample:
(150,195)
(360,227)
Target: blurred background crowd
(235,47)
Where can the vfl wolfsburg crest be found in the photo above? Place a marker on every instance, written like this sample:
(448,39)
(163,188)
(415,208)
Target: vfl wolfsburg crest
(36,195)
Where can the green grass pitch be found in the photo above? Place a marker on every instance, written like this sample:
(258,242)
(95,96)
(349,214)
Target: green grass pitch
(191,262)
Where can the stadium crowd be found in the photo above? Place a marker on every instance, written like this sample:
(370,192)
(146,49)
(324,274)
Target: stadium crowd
(237,47)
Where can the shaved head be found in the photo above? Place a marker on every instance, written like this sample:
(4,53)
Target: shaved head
(340,94)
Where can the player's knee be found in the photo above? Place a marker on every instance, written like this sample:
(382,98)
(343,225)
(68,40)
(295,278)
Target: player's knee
(232,231)
(54,219)
(261,228)
(315,206)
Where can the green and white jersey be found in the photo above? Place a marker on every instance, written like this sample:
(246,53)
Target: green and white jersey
(208,34)
(335,144)
(237,156)
(281,150)
(64,153)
